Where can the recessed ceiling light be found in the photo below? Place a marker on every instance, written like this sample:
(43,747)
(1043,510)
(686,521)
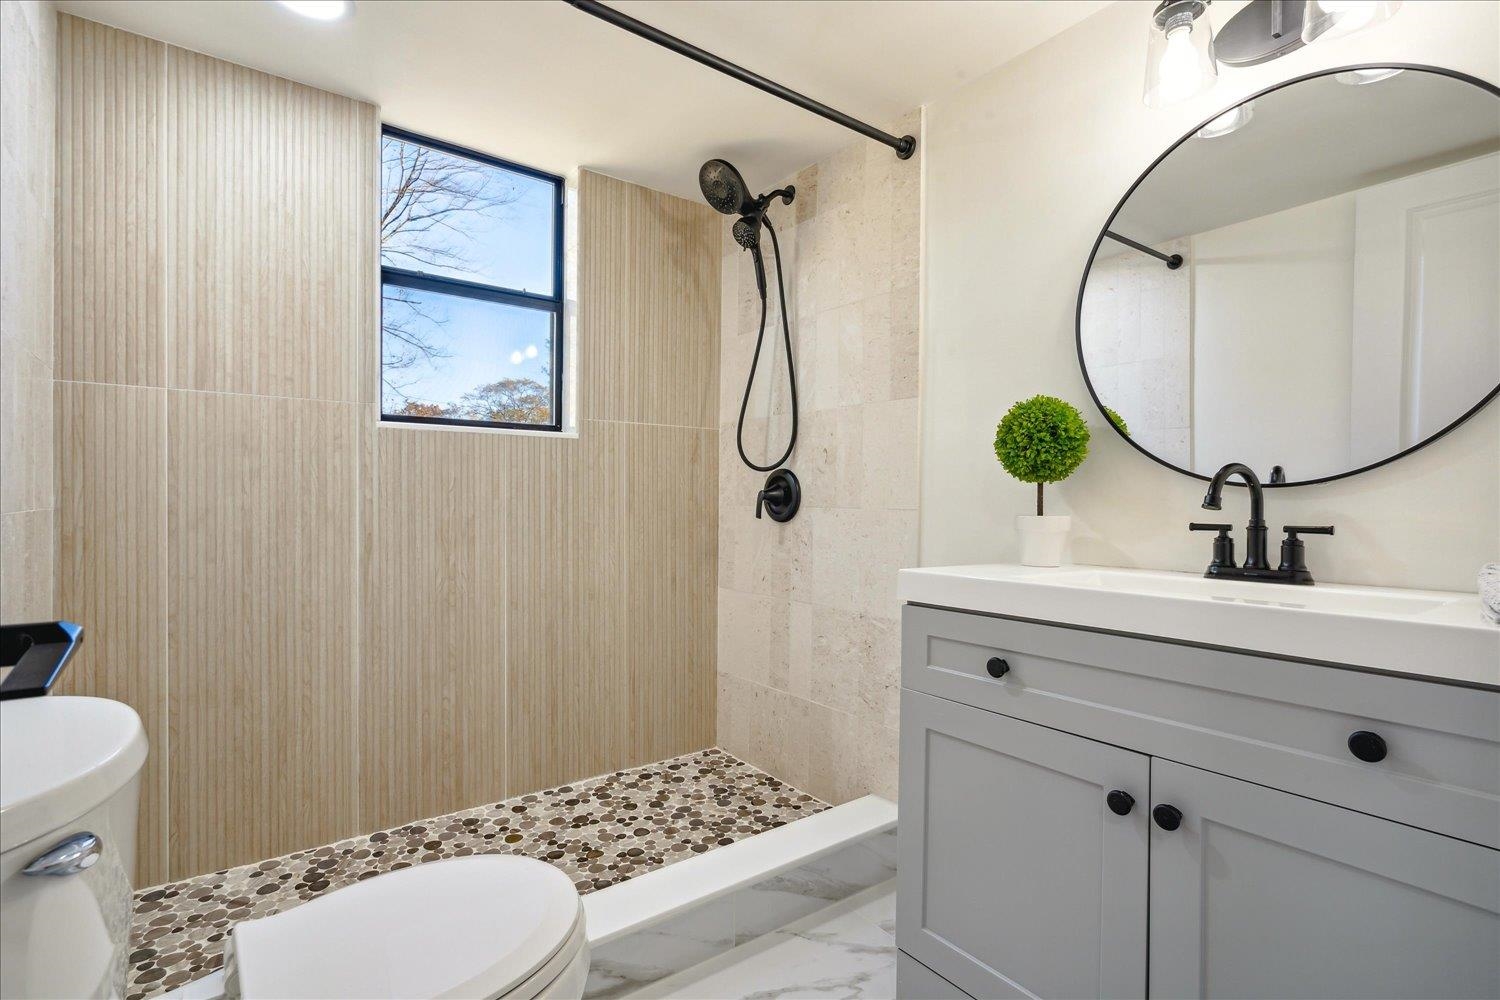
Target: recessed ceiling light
(318,10)
(1235,118)
(1360,77)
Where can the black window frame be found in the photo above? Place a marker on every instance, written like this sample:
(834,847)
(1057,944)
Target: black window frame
(554,304)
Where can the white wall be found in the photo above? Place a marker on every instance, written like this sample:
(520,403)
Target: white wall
(1272,325)
(1023,167)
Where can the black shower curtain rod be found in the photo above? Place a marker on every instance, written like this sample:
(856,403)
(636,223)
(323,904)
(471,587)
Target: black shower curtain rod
(1173,262)
(904,145)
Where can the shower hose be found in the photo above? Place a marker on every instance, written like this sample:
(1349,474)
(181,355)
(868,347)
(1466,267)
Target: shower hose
(791,370)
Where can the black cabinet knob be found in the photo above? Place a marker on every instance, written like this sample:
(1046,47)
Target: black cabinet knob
(1167,817)
(1367,746)
(1120,802)
(997,667)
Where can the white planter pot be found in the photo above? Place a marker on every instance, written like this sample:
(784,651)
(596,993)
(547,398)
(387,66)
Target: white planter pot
(1043,539)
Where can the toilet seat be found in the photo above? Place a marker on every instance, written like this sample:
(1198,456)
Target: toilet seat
(477,927)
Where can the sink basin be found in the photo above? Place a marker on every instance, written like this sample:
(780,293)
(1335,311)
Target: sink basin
(1433,635)
(1330,599)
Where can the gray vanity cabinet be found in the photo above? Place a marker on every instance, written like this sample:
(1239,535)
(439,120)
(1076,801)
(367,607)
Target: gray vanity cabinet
(1263,850)
(1019,880)
(1262,893)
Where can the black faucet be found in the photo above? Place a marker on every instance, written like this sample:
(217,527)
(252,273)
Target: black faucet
(1293,568)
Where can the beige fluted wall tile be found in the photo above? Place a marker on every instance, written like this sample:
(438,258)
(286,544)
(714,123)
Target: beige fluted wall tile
(567,690)
(263,497)
(671,536)
(109,209)
(272,229)
(112,573)
(432,677)
(648,291)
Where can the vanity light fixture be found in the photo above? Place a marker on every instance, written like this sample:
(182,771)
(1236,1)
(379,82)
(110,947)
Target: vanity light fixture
(1259,32)
(1232,120)
(1180,59)
(1336,18)
(1360,77)
(318,10)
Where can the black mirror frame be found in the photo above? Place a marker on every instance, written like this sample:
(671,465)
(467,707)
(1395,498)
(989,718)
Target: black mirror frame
(1484,85)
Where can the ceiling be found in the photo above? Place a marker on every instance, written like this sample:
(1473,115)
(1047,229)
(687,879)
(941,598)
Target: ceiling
(540,83)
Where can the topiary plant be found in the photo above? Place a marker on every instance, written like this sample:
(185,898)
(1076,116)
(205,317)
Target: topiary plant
(1041,440)
(1117,420)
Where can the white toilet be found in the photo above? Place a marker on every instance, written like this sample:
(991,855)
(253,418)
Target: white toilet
(487,926)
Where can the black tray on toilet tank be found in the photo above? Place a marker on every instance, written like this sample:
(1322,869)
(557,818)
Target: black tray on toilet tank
(32,656)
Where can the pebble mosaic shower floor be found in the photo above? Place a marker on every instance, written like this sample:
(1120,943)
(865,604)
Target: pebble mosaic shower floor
(599,832)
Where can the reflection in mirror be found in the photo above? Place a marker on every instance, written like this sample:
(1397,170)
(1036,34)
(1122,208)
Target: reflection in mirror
(1338,301)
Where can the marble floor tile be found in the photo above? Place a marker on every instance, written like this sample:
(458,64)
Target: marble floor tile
(846,950)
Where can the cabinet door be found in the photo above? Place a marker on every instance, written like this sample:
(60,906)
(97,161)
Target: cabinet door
(1261,893)
(1016,878)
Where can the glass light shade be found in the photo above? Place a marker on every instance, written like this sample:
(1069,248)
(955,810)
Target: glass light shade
(1180,59)
(1232,120)
(1336,18)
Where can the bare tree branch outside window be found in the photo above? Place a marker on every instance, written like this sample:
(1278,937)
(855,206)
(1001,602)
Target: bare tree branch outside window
(431,201)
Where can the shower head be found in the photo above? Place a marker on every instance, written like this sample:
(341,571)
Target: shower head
(724,189)
(747,235)
(747,232)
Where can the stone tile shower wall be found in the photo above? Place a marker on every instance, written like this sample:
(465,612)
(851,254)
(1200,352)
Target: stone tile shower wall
(28,499)
(1138,334)
(809,630)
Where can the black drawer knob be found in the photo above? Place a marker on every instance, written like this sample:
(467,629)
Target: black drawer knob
(1167,817)
(1120,802)
(997,667)
(1367,746)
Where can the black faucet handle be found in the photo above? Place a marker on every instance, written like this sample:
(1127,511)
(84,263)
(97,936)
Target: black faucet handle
(1223,544)
(1293,530)
(1293,552)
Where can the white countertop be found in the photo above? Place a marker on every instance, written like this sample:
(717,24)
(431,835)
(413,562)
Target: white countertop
(1427,634)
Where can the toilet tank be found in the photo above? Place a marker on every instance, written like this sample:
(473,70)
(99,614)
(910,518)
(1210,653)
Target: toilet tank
(69,786)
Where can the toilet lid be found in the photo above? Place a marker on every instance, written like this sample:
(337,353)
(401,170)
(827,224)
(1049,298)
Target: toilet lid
(463,927)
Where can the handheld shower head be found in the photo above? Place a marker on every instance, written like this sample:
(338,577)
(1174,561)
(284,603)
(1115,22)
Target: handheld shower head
(747,235)
(724,189)
(747,232)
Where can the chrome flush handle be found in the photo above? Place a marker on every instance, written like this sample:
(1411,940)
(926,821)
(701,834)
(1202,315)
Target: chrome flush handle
(69,857)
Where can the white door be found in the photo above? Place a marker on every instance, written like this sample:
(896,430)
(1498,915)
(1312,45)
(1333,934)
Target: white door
(1017,879)
(1426,341)
(1261,893)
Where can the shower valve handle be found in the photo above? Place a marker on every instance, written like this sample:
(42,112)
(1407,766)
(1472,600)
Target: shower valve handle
(780,497)
(776,494)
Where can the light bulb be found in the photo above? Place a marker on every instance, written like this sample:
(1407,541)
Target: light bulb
(1179,53)
(318,10)
(1180,75)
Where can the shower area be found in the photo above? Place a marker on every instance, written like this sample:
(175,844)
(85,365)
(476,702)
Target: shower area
(618,648)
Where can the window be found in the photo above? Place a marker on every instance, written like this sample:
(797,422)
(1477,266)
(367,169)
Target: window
(471,288)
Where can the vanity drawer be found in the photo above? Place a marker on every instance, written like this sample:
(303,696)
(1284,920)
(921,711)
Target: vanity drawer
(1280,723)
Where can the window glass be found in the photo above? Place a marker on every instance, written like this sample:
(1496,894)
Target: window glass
(465,358)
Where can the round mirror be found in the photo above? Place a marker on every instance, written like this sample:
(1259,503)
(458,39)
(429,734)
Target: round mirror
(1308,283)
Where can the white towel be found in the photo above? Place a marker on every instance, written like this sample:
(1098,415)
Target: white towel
(1489,591)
